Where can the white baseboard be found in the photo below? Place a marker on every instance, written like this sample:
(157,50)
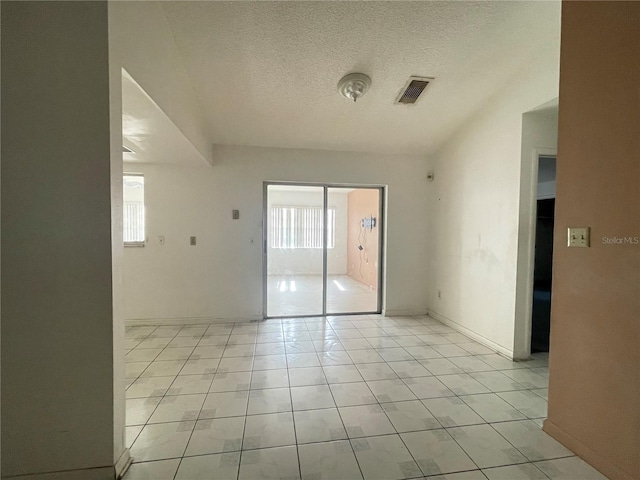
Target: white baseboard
(404,313)
(189,320)
(123,463)
(100,473)
(473,335)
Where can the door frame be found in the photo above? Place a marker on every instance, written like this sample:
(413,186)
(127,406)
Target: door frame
(527,238)
(325,186)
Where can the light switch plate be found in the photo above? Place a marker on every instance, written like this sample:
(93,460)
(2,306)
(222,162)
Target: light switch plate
(578,236)
(192,241)
(235,214)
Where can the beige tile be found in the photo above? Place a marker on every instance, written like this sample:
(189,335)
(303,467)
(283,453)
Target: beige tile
(328,460)
(162,441)
(270,464)
(318,425)
(223,466)
(269,430)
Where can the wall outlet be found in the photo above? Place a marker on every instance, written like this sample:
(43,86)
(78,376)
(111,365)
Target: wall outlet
(192,240)
(439,294)
(235,214)
(578,236)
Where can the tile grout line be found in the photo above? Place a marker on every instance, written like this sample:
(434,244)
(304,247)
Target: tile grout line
(140,376)
(486,422)
(397,433)
(344,427)
(165,394)
(244,428)
(293,418)
(201,406)
(135,380)
(385,413)
(334,331)
(402,439)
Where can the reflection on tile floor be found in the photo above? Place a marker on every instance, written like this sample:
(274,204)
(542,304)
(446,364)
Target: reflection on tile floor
(338,398)
(299,295)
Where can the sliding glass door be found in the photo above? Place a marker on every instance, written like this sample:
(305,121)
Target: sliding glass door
(322,250)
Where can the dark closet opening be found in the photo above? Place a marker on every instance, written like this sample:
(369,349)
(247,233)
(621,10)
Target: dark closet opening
(542,276)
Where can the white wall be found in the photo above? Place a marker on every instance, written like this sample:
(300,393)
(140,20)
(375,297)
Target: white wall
(476,212)
(57,303)
(308,261)
(120,452)
(221,277)
(146,49)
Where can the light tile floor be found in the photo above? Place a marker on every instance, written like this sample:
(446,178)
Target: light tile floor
(338,398)
(298,295)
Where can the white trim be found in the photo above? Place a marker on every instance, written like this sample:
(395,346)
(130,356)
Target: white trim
(404,312)
(99,473)
(123,463)
(526,262)
(473,335)
(190,320)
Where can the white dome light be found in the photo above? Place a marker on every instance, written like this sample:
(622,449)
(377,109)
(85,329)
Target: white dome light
(354,85)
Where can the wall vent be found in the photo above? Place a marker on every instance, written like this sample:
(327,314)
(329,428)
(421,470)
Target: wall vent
(413,90)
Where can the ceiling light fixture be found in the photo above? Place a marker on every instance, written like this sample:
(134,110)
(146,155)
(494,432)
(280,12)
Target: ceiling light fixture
(354,85)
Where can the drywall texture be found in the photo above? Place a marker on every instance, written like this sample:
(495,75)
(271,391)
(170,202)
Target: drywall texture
(363,263)
(266,72)
(474,208)
(57,349)
(594,387)
(309,261)
(221,277)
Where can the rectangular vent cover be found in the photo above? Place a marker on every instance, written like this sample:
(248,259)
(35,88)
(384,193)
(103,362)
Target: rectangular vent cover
(412,90)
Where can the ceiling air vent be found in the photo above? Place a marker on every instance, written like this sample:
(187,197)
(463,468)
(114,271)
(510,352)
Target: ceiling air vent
(412,90)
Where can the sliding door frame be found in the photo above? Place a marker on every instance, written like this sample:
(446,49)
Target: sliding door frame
(325,237)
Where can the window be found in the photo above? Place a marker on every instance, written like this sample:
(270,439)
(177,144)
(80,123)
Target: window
(301,227)
(133,210)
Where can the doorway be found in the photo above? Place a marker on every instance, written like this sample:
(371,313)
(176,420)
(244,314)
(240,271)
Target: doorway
(543,256)
(322,249)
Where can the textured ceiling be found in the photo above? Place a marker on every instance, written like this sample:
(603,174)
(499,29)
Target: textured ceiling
(266,72)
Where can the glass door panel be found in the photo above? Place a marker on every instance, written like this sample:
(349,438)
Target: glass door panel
(294,250)
(353,250)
